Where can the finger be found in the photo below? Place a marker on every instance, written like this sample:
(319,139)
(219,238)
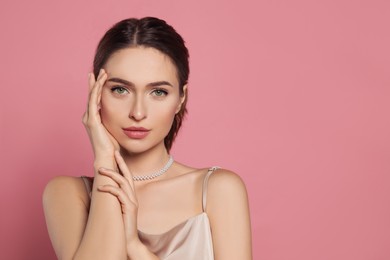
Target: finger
(122,182)
(102,81)
(123,167)
(113,140)
(120,194)
(115,176)
(91,81)
(97,89)
(91,85)
(93,102)
(101,75)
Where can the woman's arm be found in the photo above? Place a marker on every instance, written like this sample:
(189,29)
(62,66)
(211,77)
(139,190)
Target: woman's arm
(104,236)
(76,233)
(66,211)
(99,233)
(228,210)
(124,191)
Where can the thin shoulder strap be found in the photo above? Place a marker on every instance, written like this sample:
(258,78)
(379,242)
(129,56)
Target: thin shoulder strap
(88,184)
(204,187)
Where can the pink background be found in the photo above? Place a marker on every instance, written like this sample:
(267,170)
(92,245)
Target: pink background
(292,95)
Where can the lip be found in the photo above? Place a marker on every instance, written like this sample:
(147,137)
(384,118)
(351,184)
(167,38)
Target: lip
(136,132)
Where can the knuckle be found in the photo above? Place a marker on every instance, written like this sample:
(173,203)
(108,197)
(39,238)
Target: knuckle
(122,192)
(89,123)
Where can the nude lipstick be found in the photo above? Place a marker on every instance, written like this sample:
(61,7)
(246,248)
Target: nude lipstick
(136,132)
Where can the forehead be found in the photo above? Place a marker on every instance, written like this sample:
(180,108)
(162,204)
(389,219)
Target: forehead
(141,65)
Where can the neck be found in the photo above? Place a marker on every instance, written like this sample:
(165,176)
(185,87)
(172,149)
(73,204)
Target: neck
(146,162)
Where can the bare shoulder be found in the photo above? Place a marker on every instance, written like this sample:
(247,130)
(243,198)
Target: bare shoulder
(226,191)
(228,210)
(66,213)
(224,182)
(64,188)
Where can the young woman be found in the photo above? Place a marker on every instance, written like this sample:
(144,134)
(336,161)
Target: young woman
(141,204)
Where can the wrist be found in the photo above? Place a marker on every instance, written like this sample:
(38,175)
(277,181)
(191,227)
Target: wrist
(134,245)
(103,154)
(137,250)
(105,162)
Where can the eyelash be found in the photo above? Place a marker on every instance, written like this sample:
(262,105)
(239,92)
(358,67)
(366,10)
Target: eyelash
(116,88)
(164,92)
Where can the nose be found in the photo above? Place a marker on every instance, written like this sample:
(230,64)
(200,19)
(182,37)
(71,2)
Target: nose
(138,109)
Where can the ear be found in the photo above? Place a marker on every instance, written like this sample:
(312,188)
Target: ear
(182,99)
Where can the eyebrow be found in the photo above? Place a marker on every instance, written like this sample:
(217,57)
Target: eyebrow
(128,83)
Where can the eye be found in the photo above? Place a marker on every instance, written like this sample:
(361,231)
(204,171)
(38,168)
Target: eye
(119,90)
(160,92)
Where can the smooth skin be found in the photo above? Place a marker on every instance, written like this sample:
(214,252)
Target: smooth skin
(106,227)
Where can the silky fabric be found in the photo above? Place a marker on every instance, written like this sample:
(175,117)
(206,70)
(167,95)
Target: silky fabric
(189,240)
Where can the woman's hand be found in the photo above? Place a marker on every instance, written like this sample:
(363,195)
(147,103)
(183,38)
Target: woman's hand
(126,196)
(103,143)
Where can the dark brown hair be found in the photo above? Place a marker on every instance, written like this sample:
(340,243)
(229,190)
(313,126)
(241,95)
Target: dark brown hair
(149,32)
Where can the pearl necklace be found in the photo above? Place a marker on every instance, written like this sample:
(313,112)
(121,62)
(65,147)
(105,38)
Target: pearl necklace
(156,174)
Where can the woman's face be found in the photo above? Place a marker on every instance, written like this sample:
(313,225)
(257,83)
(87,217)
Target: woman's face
(140,98)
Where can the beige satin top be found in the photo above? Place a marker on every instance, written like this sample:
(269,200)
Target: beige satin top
(189,240)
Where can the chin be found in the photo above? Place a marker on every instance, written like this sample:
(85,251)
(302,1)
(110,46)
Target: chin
(137,147)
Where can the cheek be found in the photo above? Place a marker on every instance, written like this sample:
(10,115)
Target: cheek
(164,115)
(110,111)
